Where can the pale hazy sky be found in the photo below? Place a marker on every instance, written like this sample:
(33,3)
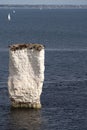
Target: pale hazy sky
(43,2)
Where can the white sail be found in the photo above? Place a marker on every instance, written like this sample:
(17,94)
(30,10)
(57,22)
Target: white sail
(9,17)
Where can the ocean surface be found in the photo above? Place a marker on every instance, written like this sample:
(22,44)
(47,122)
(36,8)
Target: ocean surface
(64,96)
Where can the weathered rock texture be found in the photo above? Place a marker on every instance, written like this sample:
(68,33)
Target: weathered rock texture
(26,74)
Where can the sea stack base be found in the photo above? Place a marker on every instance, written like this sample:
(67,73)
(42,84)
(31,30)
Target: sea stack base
(25,105)
(26,75)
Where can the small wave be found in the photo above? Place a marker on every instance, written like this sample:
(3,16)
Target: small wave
(66,80)
(56,49)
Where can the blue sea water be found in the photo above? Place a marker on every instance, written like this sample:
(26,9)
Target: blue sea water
(64,96)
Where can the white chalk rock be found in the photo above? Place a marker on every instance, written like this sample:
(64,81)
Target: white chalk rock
(26,74)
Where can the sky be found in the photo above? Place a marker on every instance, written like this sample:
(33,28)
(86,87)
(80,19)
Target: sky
(74,2)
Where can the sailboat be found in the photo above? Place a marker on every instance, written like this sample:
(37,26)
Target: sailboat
(9,17)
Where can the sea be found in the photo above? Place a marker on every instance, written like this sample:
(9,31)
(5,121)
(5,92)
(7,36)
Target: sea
(63,32)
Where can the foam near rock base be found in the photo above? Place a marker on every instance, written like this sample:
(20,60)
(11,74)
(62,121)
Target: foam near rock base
(26,74)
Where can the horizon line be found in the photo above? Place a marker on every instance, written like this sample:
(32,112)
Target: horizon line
(48,4)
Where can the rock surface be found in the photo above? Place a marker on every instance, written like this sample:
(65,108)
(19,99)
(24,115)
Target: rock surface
(26,74)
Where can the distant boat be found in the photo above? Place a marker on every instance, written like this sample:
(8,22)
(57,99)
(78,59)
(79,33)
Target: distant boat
(9,17)
(14,11)
(41,8)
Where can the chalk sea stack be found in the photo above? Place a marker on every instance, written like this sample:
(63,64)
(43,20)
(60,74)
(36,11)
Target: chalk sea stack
(26,75)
